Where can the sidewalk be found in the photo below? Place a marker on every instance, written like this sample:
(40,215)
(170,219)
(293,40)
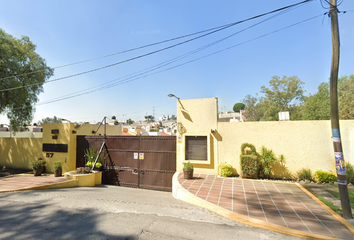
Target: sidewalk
(27,182)
(278,206)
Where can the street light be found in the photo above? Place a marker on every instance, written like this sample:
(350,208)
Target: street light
(63,119)
(171,95)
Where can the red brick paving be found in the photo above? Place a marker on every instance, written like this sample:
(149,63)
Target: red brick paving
(279,203)
(20,181)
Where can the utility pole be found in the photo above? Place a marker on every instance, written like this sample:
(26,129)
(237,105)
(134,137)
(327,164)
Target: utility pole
(337,144)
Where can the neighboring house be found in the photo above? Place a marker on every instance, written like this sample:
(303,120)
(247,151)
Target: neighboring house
(27,132)
(232,117)
(163,118)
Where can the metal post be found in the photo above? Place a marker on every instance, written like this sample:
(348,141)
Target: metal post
(337,144)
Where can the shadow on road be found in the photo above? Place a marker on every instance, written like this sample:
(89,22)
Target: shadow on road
(42,221)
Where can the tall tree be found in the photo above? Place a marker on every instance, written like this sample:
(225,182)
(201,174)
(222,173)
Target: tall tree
(253,110)
(317,106)
(283,94)
(346,97)
(22,74)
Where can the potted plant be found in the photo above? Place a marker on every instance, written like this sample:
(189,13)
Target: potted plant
(57,169)
(38,167)
(188,170)
(91,155)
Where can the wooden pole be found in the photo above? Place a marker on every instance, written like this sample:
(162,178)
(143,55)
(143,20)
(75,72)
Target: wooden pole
(337,144)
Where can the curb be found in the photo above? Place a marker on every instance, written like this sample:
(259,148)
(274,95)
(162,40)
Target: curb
(328,209)
(181,193)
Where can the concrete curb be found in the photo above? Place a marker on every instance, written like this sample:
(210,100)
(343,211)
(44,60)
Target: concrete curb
(181,193)
(328,209)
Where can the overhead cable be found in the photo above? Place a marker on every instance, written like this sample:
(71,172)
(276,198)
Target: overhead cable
(160,50)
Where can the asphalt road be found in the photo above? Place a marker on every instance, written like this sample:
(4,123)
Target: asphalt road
(109,212)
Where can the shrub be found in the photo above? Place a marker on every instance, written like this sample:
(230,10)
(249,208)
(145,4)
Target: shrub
(225,169)
(91,155)
(57,165)
(248,149)
(188,166)
(323,176)
(268,160)
(90,164)
(349,169)
(249,166)
(249,161)
(304,174)
(38,164)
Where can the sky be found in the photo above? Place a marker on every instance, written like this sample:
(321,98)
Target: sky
(250,53)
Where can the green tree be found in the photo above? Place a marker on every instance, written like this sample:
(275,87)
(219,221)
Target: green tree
(283,94)
(129,121)
(253,112)
(150,118)
(317,106)
(49,120)
(22,74)
(346,97)
(238,106)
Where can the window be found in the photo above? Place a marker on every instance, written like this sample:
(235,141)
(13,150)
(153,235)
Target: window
(197,148)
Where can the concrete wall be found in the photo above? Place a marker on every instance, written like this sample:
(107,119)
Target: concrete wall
(18,152)
(10,134)
(198,117)
(304,144)
(86,129)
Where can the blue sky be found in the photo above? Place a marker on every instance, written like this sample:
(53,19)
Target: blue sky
(66,32)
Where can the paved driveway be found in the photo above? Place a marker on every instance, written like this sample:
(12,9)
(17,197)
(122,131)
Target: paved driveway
(109,212)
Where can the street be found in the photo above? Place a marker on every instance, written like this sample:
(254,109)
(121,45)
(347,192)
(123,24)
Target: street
(109,212)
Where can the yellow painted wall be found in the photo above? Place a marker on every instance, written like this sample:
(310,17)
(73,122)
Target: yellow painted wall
(86,129)
(19,152)
(198,117)
(65,136)
(304,144)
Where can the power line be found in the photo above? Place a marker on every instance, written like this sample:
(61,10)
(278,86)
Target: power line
(121,52)
(158,66)
(163,49)
(141,75)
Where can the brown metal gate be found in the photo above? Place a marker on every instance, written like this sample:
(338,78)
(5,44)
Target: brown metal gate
(138,161)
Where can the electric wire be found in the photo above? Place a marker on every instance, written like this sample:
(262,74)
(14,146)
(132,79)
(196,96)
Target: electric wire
(137,48)
(176,58)
(158,66)
(140,76)
(159,50)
